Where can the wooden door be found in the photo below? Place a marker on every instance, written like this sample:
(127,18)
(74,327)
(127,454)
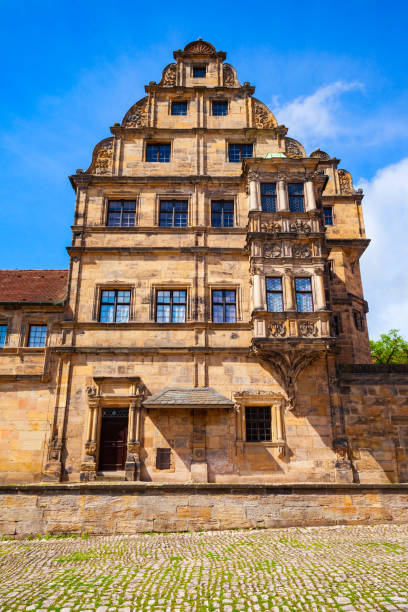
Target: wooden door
(113,446)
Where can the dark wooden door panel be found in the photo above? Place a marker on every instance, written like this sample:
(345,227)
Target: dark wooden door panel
(113,443)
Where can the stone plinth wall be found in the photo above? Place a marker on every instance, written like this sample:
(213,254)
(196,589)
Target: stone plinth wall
(133,508)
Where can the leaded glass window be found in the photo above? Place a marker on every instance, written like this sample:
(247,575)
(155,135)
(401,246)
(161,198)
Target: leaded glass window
(115,306)
(268,197)
(222,213)
(238,152)
(224,306)
(3,334)
(158,152)
(179,108)
(173,213)
(328,215)
(258,423)
(171,306)
(296,199)
(37,336)
(121,213)
(304,299)
(274,294)
(219,108)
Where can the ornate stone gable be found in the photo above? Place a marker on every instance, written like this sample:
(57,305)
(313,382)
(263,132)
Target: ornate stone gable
(136,116)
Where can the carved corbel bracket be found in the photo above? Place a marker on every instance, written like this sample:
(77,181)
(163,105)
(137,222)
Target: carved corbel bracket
(287,365)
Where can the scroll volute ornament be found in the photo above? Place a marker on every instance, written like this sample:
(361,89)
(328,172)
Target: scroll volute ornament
(346,182)
(137,115)
(294,149)
(169,76)
(263,117)
(102,158)
(200,47)
(228,77)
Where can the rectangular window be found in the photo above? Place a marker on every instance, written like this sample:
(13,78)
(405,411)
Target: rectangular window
(358,320)
(3,334)
(237,152)
(219,108)
(115,306)
(336,324)
(268,197)
(328,215)
(121,213)
(171,306)
(224,306)
(173,213)
(304,299)
(37,335)
(179,108)
(222,213)
(274,294)
(296,200)
(158,152)
(258,423)
(163,458)
(199,72)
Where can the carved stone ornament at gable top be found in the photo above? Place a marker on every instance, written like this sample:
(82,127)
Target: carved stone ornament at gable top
(293,148)
(199,47)
(320,154)
(228,77)
(103,161)
(263,117)
(346,183)
(169,77)
(137,115)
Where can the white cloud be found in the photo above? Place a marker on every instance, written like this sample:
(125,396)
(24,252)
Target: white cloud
(314,116)
(384,265)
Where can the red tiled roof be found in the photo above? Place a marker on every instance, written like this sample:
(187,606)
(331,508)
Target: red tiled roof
(35,286)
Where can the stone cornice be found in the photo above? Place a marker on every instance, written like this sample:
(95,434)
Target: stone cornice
(153,325)
(153,350)
(137,229)
(193,179)
(199,250)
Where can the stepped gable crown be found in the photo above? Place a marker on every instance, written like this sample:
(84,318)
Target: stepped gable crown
(33,286)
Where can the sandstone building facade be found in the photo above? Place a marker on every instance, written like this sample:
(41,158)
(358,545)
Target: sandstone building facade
(211,326)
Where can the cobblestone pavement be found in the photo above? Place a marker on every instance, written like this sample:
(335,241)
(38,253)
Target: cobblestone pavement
(315,568)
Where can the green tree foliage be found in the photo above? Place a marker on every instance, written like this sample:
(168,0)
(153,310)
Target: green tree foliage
(390,348)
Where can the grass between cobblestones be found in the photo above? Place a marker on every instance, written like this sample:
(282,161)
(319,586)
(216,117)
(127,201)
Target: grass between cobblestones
(313,568)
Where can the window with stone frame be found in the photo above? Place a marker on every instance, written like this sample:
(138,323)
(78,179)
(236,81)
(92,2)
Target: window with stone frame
(258,423)
(219,108)
(163,458)
(114,306)
(222,213)
(37,335)
(328,215)
(268,197)
(358,320)
(274,294)
(121,213)
(238,152)
(304,296)
(158,152)
(173,213)
(336,324)
(171,305)
(224,307)
(296,197)
(3,334)
(179,107)
(199,72)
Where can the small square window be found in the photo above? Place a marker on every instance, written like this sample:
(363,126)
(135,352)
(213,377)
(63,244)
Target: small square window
(158,152)
(199,72)
(163,456)
(115,306)
(220,108)
(179,108)
(224,306)
(328,215)
(258,423)
(222,213)
(3,334)
(37,336)
(238,152)
(171,306)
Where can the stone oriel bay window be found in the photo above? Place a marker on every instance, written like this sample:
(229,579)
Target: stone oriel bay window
(268,192)
(301,292)
(260,420)
(113,303)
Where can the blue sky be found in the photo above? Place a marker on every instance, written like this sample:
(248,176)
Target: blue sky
(335,74)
